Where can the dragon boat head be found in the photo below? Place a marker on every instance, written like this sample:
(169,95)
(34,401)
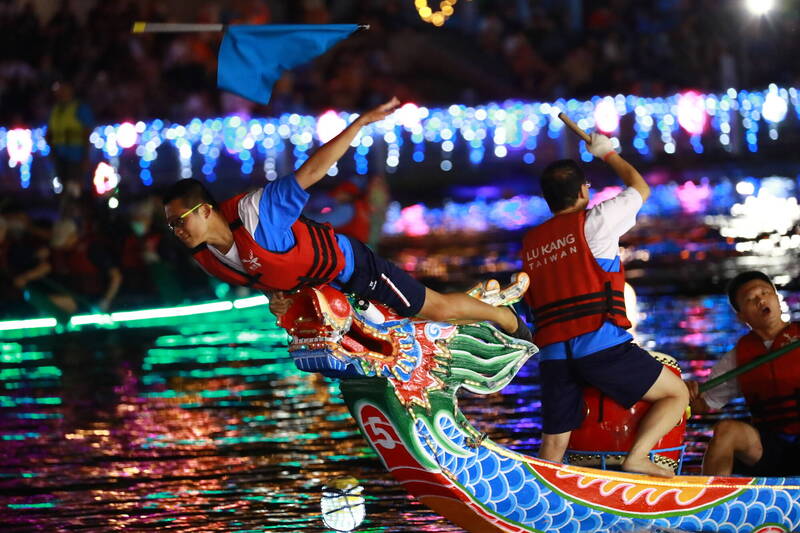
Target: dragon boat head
(331,336)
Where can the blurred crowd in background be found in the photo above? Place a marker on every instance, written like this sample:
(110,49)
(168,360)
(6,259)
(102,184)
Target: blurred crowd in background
(488,50)
(73,65)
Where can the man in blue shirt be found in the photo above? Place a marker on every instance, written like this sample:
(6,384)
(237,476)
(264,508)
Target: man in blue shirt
(270,216)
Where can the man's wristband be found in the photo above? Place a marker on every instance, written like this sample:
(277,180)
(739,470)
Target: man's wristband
(609,154)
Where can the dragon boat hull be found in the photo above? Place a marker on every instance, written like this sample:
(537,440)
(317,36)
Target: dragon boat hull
(399,378)
(490,488)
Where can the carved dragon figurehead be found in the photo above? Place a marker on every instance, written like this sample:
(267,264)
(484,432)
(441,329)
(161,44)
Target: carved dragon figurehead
(331,336)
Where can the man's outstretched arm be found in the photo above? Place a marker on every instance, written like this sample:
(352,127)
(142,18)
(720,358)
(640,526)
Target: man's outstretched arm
(601,147)
(315,168)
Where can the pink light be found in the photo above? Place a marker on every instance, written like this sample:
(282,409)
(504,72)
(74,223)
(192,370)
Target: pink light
(329,125)
(412,221)
(105,178)
(126,135)
(19,146)
(693,198)
(408,115)
(605,116)
(692,112)
(603,195)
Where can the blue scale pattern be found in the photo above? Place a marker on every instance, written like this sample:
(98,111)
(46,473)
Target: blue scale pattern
(505,487)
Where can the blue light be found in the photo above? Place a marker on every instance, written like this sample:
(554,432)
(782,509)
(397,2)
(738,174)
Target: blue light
(496,127)
(476,156)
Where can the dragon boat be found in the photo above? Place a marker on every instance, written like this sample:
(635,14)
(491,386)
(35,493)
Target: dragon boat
(399,379)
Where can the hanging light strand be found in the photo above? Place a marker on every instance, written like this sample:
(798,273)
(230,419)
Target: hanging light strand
(437,18)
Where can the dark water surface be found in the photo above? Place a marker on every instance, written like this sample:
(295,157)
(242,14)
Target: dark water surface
(203,423)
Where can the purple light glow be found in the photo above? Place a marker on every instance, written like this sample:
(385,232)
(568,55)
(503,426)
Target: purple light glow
(605,116)
(692,112)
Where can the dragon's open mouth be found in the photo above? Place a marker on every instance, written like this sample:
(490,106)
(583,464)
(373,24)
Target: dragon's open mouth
(361,339)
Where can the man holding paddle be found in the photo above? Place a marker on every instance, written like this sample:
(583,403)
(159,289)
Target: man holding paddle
(770,446)
(577,299)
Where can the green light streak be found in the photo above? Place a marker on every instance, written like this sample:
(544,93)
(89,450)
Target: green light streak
(10,401)
(21,436)
(244,303)
(33,323)
(254,306)
(167,312)
(231,337)
(211,394)
(90,320)
(21,357)
(31,505)
(41,372)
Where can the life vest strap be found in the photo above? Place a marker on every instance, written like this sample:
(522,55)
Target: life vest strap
(325,258)
(599,308)
(776,411)
(606,302)
(607,294)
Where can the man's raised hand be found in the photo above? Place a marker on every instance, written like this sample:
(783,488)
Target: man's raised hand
(600,146)
(380,112)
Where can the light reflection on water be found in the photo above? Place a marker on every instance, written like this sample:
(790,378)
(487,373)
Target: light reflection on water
(205,424)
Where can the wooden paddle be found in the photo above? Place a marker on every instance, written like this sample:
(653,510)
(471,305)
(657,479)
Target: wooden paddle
(574,127)
(739,370)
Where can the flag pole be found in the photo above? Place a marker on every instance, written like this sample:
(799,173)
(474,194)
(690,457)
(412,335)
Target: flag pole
(174,27)
(170,27)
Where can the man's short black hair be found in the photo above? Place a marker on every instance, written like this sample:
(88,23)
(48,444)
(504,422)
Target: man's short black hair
(190,191)
(561,184)
(737,282)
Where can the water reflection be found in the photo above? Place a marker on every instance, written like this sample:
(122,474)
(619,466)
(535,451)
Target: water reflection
(204,423)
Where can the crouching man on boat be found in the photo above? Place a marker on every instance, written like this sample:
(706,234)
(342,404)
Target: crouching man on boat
(770,445)
(576,297)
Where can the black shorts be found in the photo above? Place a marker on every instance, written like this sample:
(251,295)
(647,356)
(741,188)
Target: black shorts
(624,372)
(781,457)
(375,278)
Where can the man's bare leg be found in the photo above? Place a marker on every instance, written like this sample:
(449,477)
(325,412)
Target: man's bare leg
(460,308)
(732,439)
(553,446)
(669,397)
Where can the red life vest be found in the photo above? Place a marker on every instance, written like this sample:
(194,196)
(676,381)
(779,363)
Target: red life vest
(570,294)
(772,389)
(315,258)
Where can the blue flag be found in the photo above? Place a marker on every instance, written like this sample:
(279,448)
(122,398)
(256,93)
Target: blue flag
(252,58)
